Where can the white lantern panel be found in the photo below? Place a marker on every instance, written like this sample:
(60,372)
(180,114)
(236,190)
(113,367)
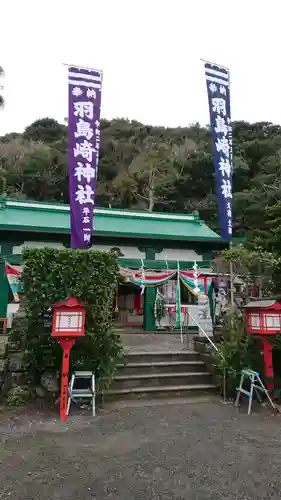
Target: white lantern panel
(255,321)
(272,322)
(69,321)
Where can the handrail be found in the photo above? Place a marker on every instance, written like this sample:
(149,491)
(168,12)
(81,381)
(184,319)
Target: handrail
(216,349)
(206,335)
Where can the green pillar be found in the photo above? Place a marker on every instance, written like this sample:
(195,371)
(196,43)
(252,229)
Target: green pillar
(6,249)
(4,290)
(149,297)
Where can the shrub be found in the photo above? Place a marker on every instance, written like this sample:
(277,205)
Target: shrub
(52,275)
(19,396)
(237,351)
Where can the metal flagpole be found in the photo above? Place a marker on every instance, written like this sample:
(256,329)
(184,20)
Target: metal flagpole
(83,67)
(214,64)
(230,243)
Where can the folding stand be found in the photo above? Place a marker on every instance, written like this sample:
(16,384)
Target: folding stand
(89,392)
(256,385)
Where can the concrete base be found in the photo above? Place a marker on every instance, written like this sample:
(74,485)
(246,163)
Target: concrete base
(152,342)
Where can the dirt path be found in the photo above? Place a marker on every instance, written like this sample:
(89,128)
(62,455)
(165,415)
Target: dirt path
(201,451)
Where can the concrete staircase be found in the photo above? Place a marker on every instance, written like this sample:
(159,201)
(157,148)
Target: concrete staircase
(166,374)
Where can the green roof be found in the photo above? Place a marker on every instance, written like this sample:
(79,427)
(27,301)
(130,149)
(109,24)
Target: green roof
(55,218)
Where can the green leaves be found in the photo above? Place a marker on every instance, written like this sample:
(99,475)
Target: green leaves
(51,275)
(156,168)
(251,264)
(238,351)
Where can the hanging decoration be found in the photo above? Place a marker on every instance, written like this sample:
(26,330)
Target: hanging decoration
(195,276)
(151,279)
(159,307)
(196,283)
(13,274)
(200,286)
(142,277)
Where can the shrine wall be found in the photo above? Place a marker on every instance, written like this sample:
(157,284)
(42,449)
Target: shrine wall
(17,250)
(181,254)
(129,252)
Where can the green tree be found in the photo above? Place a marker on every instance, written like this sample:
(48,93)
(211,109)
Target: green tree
(33,170)
(252,265)
(46,130)
(171,169)
(149,176)
(50,276)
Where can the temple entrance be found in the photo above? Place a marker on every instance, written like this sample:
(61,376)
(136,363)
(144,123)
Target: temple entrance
(130,305)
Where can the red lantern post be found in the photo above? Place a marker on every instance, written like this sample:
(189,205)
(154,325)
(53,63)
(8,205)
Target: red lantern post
(68,324)
(263,318)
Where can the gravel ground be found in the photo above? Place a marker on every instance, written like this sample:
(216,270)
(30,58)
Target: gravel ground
(196,450)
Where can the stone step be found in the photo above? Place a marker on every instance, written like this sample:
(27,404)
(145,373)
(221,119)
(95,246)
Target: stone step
(160,367)
(161,379)
(154,392)
(154,356)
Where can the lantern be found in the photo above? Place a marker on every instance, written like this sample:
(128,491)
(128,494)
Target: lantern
(263,318)
(68,319)
(68,325)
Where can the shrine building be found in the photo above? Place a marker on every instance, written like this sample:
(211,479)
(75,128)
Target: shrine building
(153,247)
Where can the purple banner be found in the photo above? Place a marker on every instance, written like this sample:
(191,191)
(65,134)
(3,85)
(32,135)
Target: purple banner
(83,143)
(217,79)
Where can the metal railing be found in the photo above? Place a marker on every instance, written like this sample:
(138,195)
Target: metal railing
(216,349)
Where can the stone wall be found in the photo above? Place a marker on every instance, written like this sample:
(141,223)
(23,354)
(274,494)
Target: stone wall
(206,350)
(3,362)
(12,371)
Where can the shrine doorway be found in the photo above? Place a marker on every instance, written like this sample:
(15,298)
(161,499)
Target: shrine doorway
(130,305)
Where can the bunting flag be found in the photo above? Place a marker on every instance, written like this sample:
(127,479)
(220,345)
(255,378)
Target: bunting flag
(151,279)
(203,283)
(200,286)
(13,274)
(142,279)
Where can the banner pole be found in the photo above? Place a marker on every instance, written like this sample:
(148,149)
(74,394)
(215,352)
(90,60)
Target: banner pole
(83,67)
(214,64)
(231,280)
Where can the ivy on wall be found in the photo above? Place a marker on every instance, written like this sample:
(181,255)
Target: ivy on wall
(51,275)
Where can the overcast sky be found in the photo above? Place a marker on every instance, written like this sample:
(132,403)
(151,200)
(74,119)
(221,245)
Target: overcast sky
(150,53)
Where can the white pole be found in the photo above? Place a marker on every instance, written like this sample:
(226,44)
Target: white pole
(83,67)
(214,64)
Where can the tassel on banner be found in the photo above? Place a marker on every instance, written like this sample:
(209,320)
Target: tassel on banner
(195,277)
